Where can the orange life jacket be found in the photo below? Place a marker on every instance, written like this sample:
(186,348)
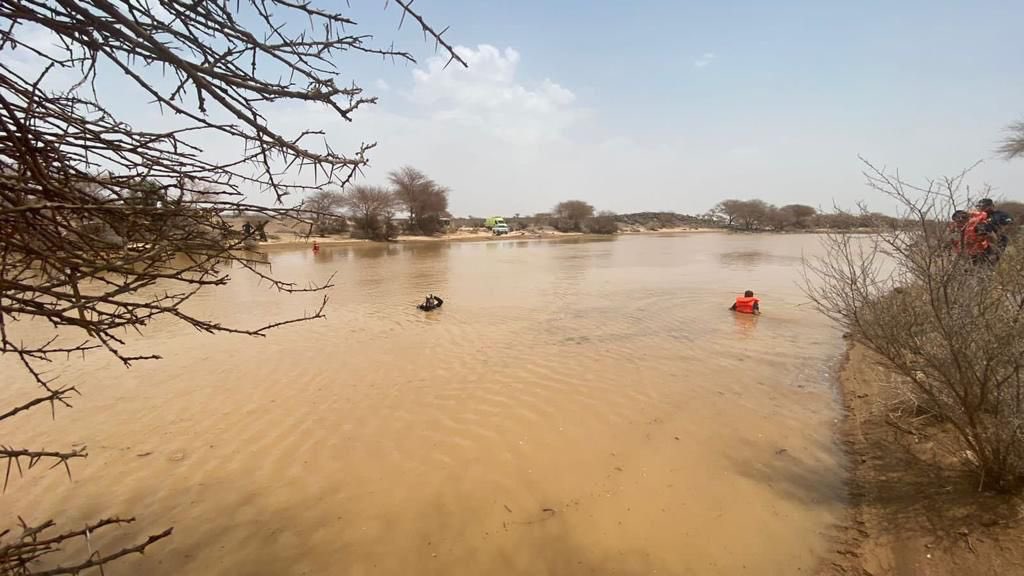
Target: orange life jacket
(746,304)
(973,242)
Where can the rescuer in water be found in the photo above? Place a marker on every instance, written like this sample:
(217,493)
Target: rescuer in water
(747,304)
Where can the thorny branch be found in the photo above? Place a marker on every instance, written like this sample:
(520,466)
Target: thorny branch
(19,553)
(105,226)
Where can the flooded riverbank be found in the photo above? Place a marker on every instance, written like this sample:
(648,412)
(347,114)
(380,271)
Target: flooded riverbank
(577,407)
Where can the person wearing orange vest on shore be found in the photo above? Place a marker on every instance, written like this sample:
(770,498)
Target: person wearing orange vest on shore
(988,230)
(976,242)
(746,304)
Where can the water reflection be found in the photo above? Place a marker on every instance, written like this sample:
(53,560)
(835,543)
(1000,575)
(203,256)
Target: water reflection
(743,259)
(745,324)
(749,259)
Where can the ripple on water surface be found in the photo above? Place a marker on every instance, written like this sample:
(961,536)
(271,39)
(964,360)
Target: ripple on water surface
(575,408)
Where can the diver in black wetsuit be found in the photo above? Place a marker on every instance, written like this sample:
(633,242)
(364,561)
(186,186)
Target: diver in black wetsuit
(431,303)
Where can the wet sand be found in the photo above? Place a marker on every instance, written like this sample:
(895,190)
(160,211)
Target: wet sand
(577,407)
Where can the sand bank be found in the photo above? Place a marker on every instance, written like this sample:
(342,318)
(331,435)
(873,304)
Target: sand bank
(295,241)
(912,512)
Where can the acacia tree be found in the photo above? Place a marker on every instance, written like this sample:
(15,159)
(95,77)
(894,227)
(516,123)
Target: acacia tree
(727,209)
(950,327)
(372,208)
(93,210)
(424,199)
(324,206)
(788,216)
(571,214)
(798,215)
(749,214)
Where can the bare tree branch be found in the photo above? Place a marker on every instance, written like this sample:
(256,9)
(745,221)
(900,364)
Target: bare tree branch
(17,557)
(946,317)
(106,227)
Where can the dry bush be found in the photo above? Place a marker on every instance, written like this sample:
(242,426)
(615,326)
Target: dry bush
(603,223)
(952,329)
(569,216)
(331,225)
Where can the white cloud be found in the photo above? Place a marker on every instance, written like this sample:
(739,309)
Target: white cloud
(705,60)
(502,142)
(489,96)
(381,85)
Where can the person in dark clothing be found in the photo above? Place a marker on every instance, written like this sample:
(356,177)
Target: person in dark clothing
(957,224)
(247,229)
(431,303)
(993,225)
(260,232)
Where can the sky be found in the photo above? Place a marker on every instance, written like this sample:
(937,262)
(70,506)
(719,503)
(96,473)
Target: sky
(642,105)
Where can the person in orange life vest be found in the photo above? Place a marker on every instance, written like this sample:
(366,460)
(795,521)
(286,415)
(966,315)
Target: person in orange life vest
(746,304)
(994,226)
(976,241)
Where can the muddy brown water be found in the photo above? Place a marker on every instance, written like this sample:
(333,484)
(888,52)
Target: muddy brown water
(576,407)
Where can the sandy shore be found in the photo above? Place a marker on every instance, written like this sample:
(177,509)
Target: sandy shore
(463,236)
(912,513)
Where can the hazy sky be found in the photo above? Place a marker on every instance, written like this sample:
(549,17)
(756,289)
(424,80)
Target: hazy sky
(676,105)
(642,105)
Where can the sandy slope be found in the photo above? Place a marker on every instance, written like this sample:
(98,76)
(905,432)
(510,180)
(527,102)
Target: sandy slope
(911,512)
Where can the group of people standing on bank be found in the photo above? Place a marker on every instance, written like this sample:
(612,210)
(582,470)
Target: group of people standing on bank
(981,234)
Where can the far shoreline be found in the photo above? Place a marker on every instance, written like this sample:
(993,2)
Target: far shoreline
(338,240)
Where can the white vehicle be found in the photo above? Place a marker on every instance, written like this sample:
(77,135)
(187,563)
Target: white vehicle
(500,229)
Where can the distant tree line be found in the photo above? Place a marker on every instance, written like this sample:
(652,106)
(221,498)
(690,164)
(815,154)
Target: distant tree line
(752,215)
(655,221)
(568,216)
(372,209)
(580,216)
(370,213)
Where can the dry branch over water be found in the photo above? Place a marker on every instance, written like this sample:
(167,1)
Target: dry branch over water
(105,228)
